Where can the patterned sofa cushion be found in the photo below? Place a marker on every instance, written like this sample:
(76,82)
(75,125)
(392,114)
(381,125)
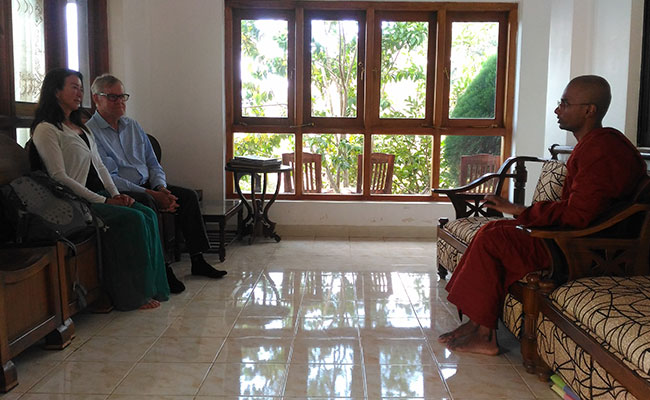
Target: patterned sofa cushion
(448,256)
(513,315)
(583,374)
(550,182)
(464,229)
(615,311)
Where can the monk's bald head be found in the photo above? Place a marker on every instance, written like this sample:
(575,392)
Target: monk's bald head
(595,90)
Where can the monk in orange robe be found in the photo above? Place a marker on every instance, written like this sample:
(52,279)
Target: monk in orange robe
(603,168)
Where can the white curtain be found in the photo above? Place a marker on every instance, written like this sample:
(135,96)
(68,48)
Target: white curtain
(29,48)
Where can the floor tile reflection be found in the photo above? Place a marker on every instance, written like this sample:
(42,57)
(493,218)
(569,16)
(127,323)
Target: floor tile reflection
(326,380)
(300,319)
(245,380)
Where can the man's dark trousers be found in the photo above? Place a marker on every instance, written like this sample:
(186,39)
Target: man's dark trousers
(189,216)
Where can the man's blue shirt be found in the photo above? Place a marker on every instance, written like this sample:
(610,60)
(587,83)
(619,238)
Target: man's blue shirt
(127,154)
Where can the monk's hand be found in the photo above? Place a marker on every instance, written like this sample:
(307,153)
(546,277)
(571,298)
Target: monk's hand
(502,205)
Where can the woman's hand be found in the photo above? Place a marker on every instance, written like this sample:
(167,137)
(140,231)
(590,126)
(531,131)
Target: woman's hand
(121,200)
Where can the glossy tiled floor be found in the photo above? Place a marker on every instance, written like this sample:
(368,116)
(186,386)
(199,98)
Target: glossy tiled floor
(303,318)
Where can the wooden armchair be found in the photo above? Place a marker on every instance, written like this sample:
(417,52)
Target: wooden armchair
(312,178)
(593,329)
(472,213)
(381,173)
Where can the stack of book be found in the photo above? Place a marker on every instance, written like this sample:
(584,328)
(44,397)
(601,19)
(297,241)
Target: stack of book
(562,389)
(254,162)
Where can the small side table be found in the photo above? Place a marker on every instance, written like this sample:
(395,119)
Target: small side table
(220,213)
(257,220)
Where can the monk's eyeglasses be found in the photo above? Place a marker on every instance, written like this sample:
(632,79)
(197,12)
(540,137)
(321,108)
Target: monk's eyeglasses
(562,104)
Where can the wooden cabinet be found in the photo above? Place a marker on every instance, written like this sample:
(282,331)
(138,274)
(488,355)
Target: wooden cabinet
(30,306)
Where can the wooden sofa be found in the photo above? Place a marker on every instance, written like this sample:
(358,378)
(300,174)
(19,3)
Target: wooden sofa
(594,329)
(37,298)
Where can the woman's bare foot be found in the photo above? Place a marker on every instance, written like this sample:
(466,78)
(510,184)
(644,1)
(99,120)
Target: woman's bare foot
(465,329)
(481,341)
(150,304)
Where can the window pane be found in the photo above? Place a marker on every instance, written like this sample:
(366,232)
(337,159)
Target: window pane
(334,51)
(339,156)
(473,69)
(76,15)
(22,136)
(264,145)
(263,67)
(403,69)
(465,158)
(29,48)
(412,163)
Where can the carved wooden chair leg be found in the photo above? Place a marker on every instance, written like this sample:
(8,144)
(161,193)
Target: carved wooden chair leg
(442,272)
(543,371)
(529,334)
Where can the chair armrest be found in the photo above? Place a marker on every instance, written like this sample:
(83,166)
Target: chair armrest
(617,244)
(470,204)
(601,225)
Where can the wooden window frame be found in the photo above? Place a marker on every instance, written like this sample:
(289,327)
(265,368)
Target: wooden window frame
(375,68)
(15,114)
(238,15)
(436,122)
(643,134)
(334,122)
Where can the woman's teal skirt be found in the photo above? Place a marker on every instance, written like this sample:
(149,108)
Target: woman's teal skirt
(133,262)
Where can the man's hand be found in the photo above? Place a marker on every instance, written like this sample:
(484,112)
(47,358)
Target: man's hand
(165,201)
(121,200)
(502,205)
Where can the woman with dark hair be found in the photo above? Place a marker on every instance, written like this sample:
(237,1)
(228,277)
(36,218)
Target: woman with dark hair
(133,264)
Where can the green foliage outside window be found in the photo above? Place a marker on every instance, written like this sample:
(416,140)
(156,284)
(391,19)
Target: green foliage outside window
(477,101)
(413,154)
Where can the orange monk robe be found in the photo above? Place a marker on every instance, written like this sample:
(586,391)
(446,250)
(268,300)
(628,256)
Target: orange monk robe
(603,168)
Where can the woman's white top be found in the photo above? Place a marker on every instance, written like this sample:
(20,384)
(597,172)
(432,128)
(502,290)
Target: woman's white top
(67,159)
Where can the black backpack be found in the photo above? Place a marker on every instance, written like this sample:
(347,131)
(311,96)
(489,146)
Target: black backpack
(38,209)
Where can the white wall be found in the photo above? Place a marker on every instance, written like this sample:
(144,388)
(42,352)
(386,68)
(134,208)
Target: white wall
(170,56)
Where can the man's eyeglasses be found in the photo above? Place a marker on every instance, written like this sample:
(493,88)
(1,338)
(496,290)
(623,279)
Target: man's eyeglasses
(564,104)
(115,97)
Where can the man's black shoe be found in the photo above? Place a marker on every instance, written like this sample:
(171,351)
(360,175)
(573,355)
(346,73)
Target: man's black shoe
(175,286)
(202,268)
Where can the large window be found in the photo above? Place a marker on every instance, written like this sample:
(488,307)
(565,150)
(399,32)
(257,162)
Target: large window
(40,35)
(369,101)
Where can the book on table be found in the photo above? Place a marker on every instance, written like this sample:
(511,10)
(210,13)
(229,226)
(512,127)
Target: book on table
(254,161)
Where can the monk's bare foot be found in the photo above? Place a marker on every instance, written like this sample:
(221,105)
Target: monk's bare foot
(150,304)
(463,330)
(482,341)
